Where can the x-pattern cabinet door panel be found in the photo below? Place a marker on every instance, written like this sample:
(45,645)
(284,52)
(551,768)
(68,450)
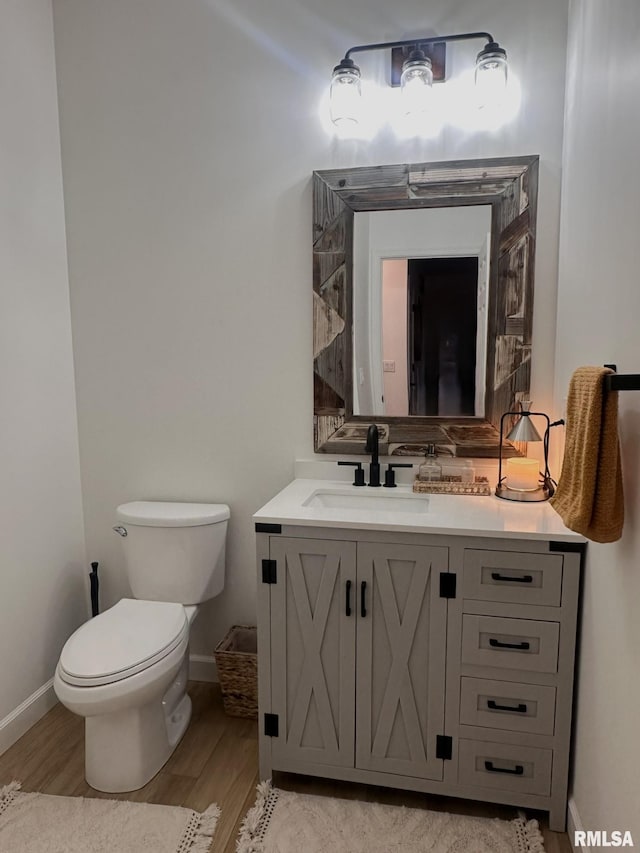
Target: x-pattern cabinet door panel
(313,652)
(401,643)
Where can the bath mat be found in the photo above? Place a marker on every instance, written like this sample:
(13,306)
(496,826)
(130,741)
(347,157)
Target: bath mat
(285,822)
(42,823)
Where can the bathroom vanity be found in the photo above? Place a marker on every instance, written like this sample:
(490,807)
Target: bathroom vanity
(423,642)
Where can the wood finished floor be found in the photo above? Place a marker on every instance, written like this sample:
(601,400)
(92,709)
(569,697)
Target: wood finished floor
(217,761)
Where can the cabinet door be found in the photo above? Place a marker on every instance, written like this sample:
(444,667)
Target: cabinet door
(401,644)
(313,653)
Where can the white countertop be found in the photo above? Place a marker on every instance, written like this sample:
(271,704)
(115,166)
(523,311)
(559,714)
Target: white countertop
(450,514)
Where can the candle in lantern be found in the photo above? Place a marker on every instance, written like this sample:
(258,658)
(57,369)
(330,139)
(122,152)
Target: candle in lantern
(522,474)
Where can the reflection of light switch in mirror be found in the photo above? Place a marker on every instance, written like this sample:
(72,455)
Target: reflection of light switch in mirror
(389,366)
(361,376)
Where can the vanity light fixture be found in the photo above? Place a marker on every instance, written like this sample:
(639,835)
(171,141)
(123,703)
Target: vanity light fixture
(417,75)
(523,480)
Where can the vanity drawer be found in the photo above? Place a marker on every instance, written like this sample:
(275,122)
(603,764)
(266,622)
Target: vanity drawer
(506,767)
(507,705)
(524,644)
(513,577)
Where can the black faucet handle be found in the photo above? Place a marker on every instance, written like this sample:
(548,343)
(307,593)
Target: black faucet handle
(390,474)
(359,472)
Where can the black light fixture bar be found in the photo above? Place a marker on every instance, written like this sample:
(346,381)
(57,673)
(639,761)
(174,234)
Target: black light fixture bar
(417,42)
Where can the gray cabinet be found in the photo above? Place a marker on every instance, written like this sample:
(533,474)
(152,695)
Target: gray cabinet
(419,661)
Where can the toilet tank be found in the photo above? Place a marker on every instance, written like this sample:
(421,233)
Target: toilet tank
(174,551)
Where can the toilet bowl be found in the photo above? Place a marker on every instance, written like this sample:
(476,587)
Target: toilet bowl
(126,670)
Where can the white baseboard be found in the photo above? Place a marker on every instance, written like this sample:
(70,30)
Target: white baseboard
(27,714)
(203,668)
(574,822)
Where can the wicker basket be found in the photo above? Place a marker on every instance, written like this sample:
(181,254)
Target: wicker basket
(237,662)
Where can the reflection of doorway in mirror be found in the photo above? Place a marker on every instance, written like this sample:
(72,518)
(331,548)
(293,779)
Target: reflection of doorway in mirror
(442,304)
(396,235)
(432,313)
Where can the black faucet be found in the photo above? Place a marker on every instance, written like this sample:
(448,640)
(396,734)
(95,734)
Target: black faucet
(372,447)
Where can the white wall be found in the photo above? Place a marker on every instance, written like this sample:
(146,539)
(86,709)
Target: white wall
(598,315)
(189,134)
(42,588)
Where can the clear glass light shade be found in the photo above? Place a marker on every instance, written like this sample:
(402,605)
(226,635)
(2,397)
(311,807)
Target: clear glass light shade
(416,83)
(345,97)
(491,78)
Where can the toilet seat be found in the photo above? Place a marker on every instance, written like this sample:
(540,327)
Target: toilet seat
(130,637)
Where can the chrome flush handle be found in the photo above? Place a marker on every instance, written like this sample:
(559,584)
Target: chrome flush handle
(121,531)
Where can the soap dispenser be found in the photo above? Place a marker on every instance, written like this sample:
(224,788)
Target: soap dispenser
(430,471)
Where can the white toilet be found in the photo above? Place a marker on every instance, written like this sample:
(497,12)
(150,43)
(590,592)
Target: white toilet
(126,670)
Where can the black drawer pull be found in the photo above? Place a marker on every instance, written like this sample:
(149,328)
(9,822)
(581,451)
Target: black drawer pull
(523,646)
(496,576)
(517,771)
(492,705)
(348,602)
(363,592)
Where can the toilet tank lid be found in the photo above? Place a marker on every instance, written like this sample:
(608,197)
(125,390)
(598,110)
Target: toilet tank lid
(171,514)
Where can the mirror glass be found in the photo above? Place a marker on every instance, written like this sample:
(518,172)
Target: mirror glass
(420,280)
(423,303)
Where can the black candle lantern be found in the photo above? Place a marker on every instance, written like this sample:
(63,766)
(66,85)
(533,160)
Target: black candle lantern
(523,480)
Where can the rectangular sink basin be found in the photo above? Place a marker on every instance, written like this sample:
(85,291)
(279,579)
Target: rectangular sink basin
(381,501)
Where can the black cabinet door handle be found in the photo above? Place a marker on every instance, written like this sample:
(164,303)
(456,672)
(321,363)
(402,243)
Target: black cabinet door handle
(518,770)
(496,644)
(496,576)
(363,592)
(348,601)
(492,705)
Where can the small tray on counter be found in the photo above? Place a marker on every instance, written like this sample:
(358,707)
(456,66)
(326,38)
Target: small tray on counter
(480,486)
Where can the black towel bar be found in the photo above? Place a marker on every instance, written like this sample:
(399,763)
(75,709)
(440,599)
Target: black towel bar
(621,381)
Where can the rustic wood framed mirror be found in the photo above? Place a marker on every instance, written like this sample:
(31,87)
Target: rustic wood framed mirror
(431,401)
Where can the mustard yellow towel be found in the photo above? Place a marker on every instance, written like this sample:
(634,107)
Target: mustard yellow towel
(589,496)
